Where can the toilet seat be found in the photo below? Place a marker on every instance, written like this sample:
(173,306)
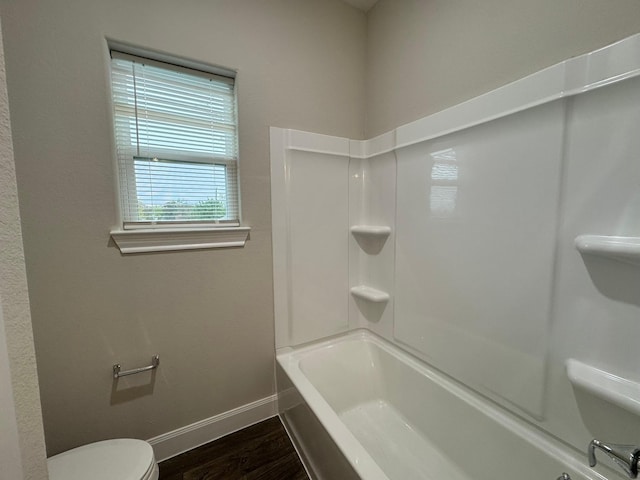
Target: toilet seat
(120,459)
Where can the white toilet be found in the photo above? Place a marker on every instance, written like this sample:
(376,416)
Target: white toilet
(120,459)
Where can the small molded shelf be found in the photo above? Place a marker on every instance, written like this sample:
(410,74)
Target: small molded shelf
(372,230)
(624,249)
(612,388)
(369,294)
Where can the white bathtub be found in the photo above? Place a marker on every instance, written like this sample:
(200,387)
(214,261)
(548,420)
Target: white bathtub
(391,417)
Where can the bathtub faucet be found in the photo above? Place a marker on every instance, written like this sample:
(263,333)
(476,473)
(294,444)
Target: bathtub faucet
(626,456)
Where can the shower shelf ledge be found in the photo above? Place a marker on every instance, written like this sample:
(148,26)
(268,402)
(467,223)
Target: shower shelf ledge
(623,249)
(370,294)
(620,391)
(372,230)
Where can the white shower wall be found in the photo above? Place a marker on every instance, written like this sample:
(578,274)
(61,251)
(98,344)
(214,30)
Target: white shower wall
(371,258)
(484,202)
(311,233)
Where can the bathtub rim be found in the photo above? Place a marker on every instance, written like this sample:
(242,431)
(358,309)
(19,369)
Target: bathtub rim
(361,461)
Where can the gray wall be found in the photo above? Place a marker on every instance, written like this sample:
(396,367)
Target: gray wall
(209,314)
(426,55)
(22,451)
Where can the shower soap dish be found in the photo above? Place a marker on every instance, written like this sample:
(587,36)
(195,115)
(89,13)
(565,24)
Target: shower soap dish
(370,294)
(372,230)
(620,391)
(623,249)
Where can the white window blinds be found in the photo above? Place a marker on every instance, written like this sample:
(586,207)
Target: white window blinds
(176,140)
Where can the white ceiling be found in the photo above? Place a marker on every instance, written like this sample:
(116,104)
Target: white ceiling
(363,5)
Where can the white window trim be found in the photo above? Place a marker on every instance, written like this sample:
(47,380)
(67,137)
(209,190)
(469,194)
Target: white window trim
(148,240)
(173,239)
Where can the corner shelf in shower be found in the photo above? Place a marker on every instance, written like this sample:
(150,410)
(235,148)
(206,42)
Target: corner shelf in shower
(612,388)
(371,238)
(381,231)
(623,249)
(370,294)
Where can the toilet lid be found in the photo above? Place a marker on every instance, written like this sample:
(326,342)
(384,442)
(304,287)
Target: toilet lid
(122,459)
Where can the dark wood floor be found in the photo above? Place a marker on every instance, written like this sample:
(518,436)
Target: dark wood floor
(260,452)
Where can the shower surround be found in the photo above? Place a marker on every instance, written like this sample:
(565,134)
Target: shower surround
(489,245)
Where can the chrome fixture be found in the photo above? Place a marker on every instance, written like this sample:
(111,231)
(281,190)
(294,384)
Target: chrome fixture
(564,476)
(155,361)
(626,456)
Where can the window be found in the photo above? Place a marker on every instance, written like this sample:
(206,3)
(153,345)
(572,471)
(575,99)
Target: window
(177,148)
(176,142)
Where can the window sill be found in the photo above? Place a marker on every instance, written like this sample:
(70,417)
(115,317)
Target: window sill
(172,239)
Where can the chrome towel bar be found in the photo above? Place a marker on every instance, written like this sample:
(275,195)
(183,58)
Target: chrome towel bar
(117,373)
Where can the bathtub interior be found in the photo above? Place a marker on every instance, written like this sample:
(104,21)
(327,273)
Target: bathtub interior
(415,423)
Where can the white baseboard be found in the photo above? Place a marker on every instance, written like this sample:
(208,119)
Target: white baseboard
(191,436)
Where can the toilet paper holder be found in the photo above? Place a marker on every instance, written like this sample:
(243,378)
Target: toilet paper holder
(117,371)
